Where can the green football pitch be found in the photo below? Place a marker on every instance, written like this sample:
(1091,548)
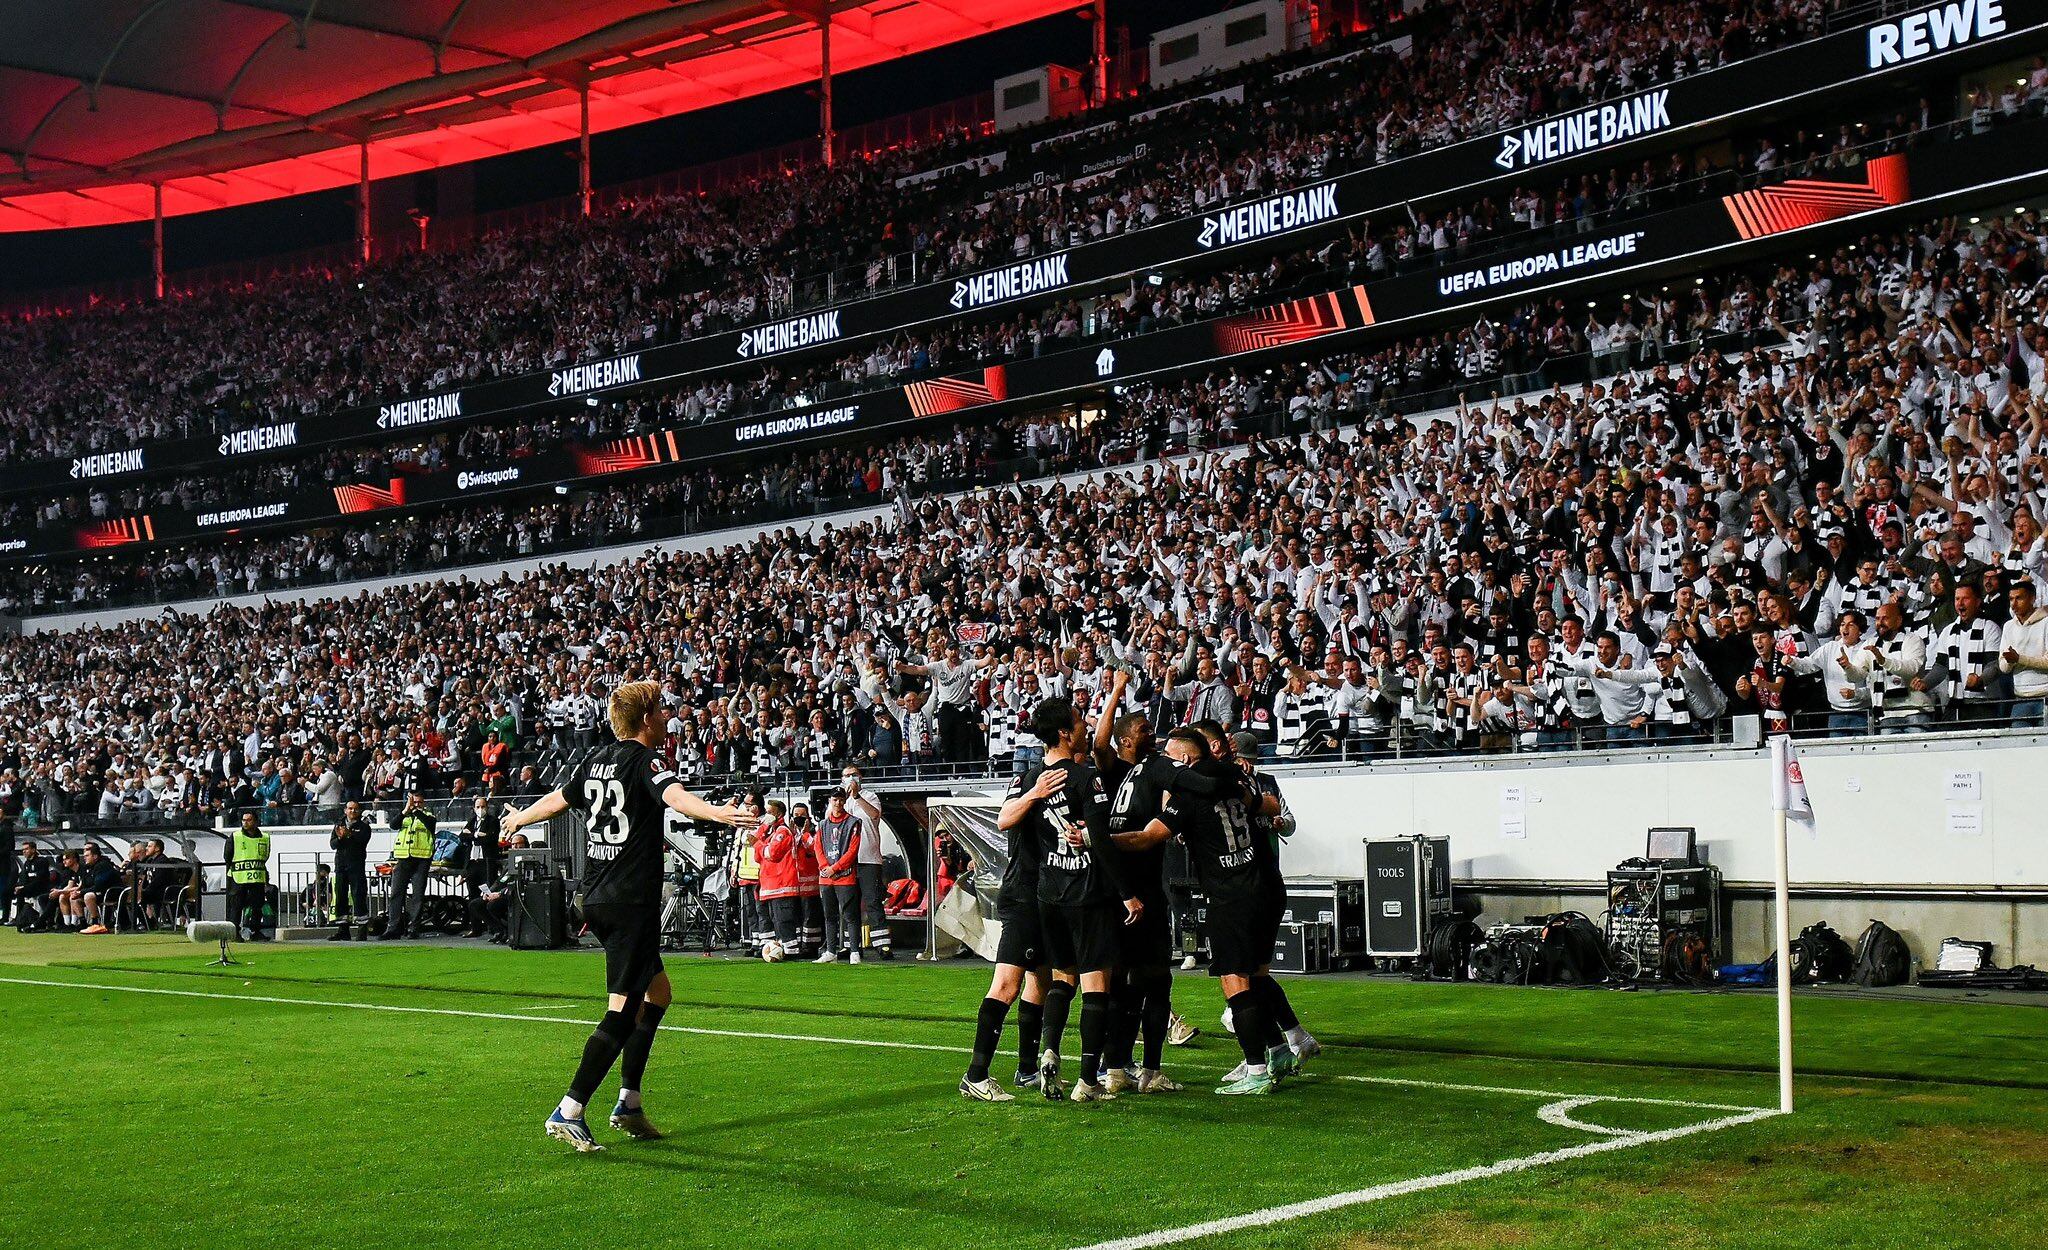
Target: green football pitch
(392,1097)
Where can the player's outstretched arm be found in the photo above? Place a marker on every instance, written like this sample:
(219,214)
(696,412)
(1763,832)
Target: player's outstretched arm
(680,800)
(546,807)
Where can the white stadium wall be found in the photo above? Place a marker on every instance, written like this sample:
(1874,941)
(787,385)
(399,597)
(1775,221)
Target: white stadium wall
(1889,840)
(1882,807)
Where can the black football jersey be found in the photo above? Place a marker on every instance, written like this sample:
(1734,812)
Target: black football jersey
(1222,845)
(1138,802)
(1072,875)
(618,789)
(1020,875)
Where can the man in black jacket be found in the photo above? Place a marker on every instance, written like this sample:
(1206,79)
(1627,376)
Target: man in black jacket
(6,868)
(32,887)
(98,882)
(481,860)
(354,762)
(350,842)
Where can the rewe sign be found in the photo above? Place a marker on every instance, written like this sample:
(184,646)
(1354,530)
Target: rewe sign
(1935,30)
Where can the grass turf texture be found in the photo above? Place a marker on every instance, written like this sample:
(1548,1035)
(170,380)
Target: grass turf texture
(165,1120)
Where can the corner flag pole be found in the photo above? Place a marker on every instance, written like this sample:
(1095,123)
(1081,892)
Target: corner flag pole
(1781,768)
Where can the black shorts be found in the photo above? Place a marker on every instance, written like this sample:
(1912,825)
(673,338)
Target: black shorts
(631,935)
(1149,942)
(1271,915)
(1240,943)
(1081,938)
(1022,942)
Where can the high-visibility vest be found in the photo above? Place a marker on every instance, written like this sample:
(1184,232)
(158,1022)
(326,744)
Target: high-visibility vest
(251,863)
(415,838)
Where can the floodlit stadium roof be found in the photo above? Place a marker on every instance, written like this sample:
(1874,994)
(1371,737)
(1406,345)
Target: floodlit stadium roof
(229,102)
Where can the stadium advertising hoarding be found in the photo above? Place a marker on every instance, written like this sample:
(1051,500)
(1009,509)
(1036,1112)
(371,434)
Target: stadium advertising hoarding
(1641,248)
(1965,29)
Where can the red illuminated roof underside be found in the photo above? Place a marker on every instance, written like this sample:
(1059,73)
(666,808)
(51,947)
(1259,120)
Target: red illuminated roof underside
(230,102)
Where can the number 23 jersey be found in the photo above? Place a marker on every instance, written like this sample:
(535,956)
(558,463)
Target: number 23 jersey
(618,789)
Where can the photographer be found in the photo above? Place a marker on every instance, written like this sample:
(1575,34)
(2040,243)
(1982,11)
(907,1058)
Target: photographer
(318,896)
(412,855)
(350,843)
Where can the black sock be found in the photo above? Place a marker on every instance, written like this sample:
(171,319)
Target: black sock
(1156,1015)
(1276,1002)
(1059,999)
(1250,1023)
(1274,1037)
(1030,1023)
(1124,1004)
(633,1057)
(988,1034)
(598,1053)
(1094,1025)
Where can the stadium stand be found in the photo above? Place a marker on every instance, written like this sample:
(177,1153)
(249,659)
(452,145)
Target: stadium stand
(683,266)
(1367,251)
(1880,454)
(1262,565)
(1401,522)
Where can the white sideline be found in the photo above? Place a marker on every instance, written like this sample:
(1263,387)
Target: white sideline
(1395,1189)
(1557,1111)
(1411,1082)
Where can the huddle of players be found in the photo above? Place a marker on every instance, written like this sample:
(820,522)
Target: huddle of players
(1084,908)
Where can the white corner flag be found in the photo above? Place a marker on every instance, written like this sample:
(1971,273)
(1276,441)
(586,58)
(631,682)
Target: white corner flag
(1791,794)
(1788,800)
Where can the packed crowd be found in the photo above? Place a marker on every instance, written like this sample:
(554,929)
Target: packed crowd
(682,266)
(1367,251)
(1846,525)
(1519,349)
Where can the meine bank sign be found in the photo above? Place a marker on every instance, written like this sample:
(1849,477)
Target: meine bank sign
(262,438)
(1010,282)
(1585,130)
(582,379)
(786,336)
(1273,215)
(426,410)
(107,463)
